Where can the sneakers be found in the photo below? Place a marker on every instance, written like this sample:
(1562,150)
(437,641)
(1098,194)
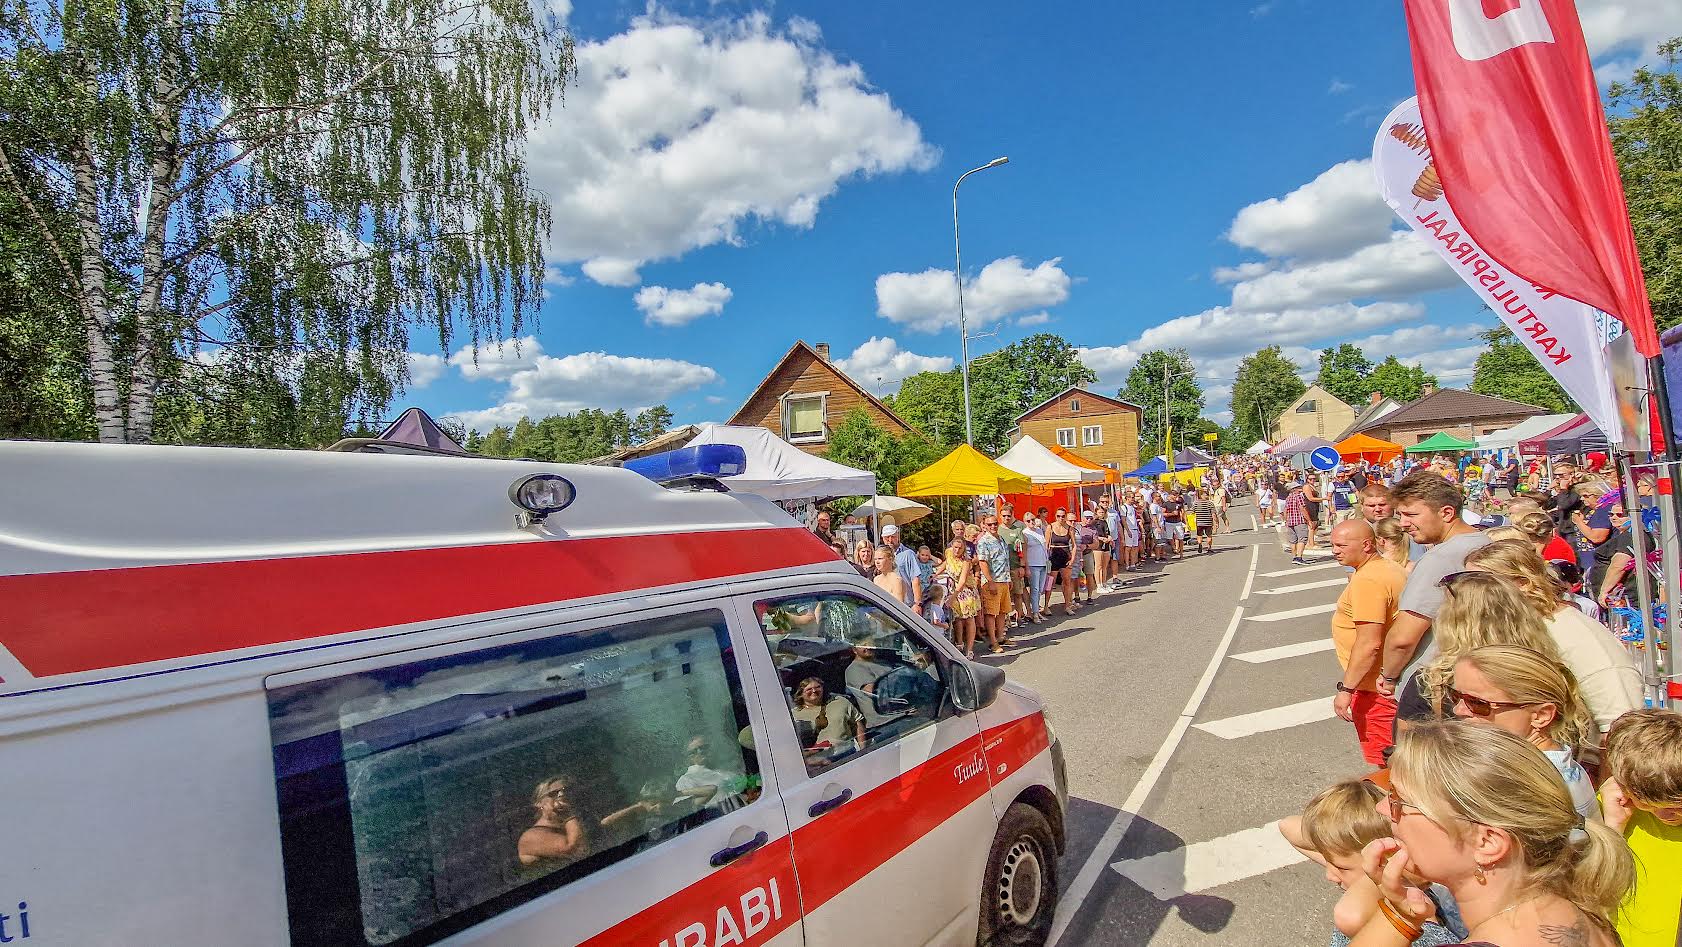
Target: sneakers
(1298,560)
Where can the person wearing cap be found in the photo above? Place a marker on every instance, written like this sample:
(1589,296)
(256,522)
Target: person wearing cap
(905,563)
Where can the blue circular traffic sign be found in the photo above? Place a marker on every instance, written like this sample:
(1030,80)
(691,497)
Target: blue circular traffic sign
(1324,458)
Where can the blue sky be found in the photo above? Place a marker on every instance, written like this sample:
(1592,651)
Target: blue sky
(729,177)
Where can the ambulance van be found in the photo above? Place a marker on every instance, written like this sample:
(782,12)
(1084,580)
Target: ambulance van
(325,699)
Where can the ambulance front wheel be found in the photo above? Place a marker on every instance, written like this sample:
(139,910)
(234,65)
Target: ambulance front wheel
(1019,891)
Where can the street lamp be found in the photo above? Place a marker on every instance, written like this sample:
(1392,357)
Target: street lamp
(1167,415)
(958,272)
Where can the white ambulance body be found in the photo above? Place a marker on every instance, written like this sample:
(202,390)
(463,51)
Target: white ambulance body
(275,697)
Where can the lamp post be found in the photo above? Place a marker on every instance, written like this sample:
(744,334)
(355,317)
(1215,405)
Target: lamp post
(958,272)
(1167,415)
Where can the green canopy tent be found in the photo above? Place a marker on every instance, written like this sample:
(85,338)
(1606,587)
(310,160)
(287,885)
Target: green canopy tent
(1441,442)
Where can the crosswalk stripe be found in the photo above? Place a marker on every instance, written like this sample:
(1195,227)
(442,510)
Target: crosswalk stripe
(1285,651)
(1262,721)
(1294,612)
(1300,569)
(1286,589)
(1210,864)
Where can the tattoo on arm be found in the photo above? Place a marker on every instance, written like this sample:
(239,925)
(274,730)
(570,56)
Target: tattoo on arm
(1577,935)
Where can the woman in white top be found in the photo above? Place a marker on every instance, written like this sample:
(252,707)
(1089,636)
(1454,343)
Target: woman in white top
(1606,675)
(1530,696)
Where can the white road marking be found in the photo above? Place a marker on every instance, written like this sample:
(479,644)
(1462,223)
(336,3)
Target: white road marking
(1255,527)
(1286,589)
(1285,651)
(1278,718)
(1250,577)
(1079,889)
(1300,569)
(1206,865)
(1319,552)
(1295,612)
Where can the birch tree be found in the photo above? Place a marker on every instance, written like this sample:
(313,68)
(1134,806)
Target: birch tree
(275,190)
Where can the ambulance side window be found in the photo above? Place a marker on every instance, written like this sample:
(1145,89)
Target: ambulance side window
(419,799)
(855,678)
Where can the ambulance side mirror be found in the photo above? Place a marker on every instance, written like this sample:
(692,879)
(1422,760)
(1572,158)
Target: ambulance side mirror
(973,685)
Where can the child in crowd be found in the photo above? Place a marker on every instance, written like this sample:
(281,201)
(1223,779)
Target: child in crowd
(1332,830)
(1643,799)
(934,606)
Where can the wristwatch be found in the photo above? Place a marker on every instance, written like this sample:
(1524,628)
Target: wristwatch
(1345,690)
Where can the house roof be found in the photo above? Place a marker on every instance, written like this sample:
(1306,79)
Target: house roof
(1383,407)
(1316,393)
(1455,404)
(799,347)
(1084,392)
(671,440)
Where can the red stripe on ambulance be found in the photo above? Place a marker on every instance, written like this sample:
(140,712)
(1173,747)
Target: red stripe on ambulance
(69,622)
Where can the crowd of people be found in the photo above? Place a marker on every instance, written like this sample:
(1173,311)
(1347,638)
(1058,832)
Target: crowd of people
(1522,792)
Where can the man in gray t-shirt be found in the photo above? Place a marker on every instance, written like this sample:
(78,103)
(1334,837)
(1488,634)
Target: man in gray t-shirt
(1429,508)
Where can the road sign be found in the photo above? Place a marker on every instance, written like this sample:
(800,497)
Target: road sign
(1211,438)
(1324,458)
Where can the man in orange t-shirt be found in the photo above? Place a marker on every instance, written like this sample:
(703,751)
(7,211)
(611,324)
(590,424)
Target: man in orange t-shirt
(1364,612)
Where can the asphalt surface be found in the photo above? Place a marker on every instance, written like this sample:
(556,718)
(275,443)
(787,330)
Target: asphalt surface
(1169,823)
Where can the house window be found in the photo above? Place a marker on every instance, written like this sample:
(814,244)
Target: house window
(1066,437)
(1091,434)
(1307,407)
(803,418)
(1074,404)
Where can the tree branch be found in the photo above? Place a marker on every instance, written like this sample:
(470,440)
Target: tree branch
(47,235)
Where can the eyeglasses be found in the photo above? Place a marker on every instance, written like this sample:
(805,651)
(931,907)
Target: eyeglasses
(1480,707)
(990,523)
(1398,805)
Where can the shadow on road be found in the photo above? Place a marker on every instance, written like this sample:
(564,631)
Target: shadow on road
(1122,910)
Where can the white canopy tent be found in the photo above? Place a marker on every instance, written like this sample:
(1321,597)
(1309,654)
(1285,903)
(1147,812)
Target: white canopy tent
(1508,438)
(1035,461)
(1259,447)
(777,470)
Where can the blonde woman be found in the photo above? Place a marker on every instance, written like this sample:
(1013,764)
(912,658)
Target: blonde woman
(1538,527)
(963,602)
(1478,609)
(1392,542)
(1479,811)
(1529,696)
(838,724)
(1608,676)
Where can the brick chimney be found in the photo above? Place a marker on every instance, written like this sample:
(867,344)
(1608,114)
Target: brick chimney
(1428,388)
(822,350)
(1375,397)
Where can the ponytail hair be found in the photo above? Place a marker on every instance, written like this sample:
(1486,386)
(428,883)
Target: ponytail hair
(1531,677)
(1452,769)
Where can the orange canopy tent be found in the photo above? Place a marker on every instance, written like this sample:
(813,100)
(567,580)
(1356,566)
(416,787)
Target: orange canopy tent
(1110,476)
(1367,448)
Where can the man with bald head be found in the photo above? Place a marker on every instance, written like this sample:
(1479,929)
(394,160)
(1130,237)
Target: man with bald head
(1364,613)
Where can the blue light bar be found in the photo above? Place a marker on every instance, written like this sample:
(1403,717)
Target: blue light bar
(700,462)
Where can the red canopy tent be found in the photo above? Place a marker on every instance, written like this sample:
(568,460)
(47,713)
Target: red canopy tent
(1539,443)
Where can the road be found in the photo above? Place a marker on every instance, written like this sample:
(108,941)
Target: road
(1195,711)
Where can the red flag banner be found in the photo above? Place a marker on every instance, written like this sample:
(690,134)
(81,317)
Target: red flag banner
(1520,144)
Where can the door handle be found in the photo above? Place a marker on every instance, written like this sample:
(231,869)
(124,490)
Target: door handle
(728,855)
(824,805)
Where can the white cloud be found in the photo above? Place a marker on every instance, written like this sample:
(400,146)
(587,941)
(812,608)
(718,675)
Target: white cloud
(1338,87)
(1404,265)
(497,361)
(881,362)
(1110,362)
(1332,215)
(928,301)
(1034,319)
(424,369)
(1637,25)
(681,134)
(1224,329)
(1243,271)
(676,307)
(549,385)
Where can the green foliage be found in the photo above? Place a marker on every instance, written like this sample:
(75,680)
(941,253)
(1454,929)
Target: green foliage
(1266,384)
(858,441)
(1645,120)
(240,206)
(1508,370)
(1344,372)
(568,438)
(1184,396)
(1003,384)
(1403,383)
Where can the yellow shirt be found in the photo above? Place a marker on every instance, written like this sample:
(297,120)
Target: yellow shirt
(1372,595)
(1650,913)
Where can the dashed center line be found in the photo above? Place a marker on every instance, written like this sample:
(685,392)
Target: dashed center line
(1263,721)
(1294,612)
(1205,865)
(1285,651)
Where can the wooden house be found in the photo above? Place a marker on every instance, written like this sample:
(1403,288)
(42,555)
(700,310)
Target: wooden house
(805,396)
(1102,429)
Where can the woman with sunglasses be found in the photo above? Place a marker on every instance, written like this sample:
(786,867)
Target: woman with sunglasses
(1529,696)
(1480,812)
(1606,673)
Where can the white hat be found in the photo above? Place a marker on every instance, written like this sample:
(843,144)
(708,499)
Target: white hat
(890,530)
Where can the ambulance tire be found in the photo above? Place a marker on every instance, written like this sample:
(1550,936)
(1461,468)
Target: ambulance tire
(1019,891)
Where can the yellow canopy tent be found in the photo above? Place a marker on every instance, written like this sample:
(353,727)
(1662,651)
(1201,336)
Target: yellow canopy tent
(1368,448)
(1110,476)
(966,472)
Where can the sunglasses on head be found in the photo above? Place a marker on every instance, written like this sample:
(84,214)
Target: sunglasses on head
(1480,707)
(1448,581)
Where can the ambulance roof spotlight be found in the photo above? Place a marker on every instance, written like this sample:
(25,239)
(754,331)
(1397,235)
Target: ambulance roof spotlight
(539,495)
(699,465)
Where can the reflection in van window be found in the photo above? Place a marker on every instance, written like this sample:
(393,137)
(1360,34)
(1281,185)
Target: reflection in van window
(422,798)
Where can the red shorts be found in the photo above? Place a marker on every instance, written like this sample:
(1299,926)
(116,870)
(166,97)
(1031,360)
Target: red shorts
(1375,717)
